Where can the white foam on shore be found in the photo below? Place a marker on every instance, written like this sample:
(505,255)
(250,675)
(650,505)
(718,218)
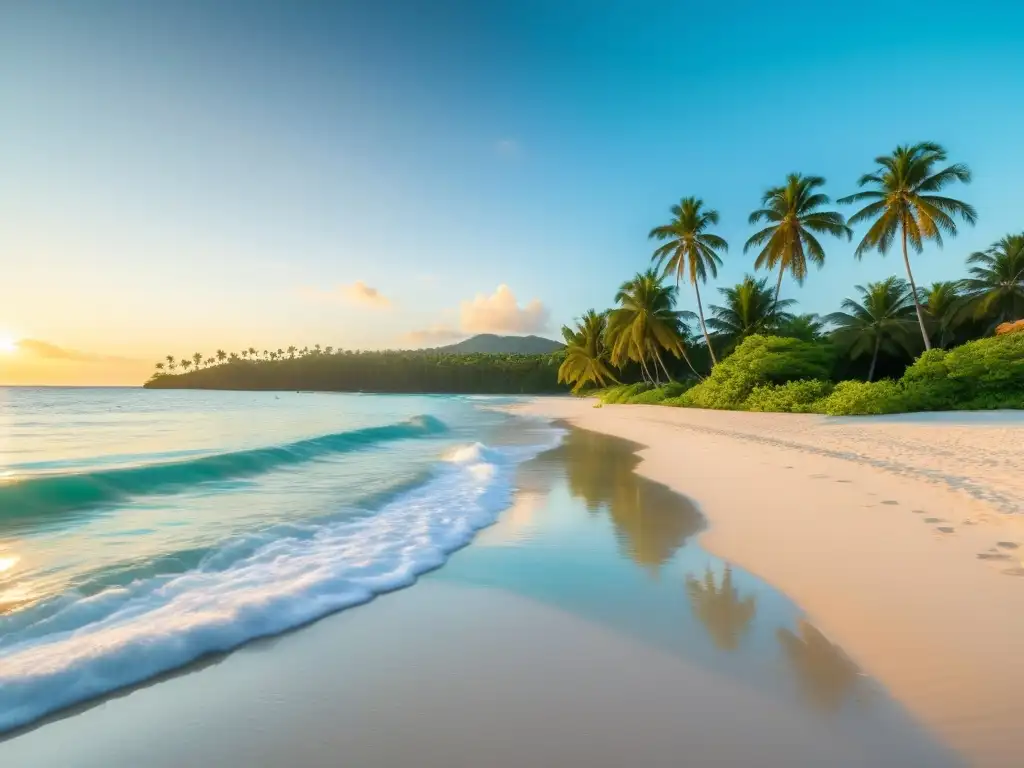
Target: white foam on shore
(293,574)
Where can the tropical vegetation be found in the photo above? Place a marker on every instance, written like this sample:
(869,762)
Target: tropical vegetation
(891,346)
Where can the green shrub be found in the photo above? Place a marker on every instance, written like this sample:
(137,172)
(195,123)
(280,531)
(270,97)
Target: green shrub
(982,374)
(791,397)
(861,398)
(658,394)
(624,392)
(760,361)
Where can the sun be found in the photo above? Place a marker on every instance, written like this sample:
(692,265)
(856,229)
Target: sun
(7,345)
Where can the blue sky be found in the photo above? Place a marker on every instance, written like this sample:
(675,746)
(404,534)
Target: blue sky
(207,174)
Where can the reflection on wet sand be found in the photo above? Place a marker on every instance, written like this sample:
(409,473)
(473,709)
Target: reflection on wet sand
(651,522)
(825,674)
(725,615)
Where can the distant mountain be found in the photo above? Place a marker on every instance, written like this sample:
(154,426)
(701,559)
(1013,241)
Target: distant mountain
(490,343)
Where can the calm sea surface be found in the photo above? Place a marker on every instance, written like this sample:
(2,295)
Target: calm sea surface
(140,530)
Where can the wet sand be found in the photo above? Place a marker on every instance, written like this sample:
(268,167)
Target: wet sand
(444,676)
(902,539)
(586,627)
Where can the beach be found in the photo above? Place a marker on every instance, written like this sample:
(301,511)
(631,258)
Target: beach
(901,538)
(555,584)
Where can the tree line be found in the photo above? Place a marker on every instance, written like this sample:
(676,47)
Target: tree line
(903,201)
(331,370)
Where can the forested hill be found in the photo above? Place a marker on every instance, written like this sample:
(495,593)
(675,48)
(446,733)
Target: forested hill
(492,344)
(387,371)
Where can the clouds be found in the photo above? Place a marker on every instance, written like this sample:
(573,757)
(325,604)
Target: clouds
(357,294)
(499,312)
(44,350)
(360,293)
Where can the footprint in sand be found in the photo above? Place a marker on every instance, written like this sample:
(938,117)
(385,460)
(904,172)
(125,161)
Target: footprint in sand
(945,529)
(891,503)
(933,520)
(1008,544)
(993,556)
(968,521)
(844,481)
(1019,571)
(917,511)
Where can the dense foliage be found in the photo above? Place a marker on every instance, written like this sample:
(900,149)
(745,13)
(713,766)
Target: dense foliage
(790,376)
(377,372)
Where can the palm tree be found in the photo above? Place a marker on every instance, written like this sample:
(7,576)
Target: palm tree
(586,356)
(160,367)
(210,361)
(171,364)
(996,285)
(186,364)
(904,202)
(291,351)
(944,305)
(807,327)
(749,308)
(197,359)
(789,240)
(252,352)
(880,321)
(221,355)
(720,609)
(244,353)
(690,251)
(645,323)
(233,356)
(328,350)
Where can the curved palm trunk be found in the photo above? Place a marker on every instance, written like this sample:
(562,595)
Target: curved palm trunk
(874,357)
(657,356)
(913,288)
(778,284)
(686,357)
(703,327)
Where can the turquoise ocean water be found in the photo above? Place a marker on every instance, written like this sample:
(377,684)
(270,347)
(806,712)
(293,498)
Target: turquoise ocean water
(142,529)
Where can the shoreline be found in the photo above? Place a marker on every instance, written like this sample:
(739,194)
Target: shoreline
(898,539)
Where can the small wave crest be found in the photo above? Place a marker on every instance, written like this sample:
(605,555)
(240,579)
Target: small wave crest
(79,647)
(47,494)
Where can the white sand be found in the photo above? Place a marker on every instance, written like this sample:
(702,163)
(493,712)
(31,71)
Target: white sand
(450,677)
(845,516)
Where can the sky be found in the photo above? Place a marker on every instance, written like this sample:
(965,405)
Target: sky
(188,176)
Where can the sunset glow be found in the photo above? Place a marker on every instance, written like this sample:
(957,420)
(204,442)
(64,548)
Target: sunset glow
(7,344)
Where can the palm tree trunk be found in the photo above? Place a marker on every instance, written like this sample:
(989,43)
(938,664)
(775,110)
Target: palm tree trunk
(686,357)
(668,376)
(778,285)
(913,289)
(874,356)
(703,327)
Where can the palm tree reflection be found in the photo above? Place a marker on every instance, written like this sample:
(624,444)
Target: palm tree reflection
(651,522)
(725,615)
(825,674)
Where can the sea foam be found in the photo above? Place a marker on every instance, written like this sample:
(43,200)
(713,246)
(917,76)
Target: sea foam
(257,585)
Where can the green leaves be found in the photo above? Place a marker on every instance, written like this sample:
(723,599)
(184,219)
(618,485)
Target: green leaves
(788,243)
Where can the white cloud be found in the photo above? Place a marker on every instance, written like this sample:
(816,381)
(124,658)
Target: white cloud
(501,313)
(356,293)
